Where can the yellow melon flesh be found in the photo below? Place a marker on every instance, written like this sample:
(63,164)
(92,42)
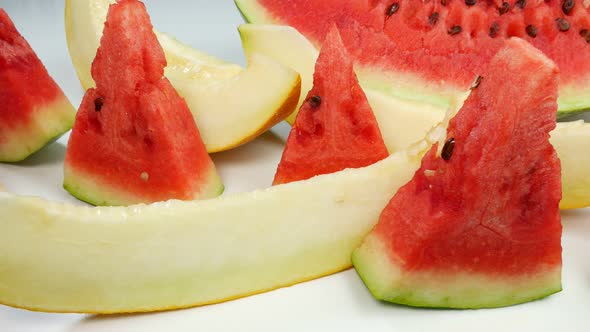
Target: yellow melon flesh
(231,105)
(404,122)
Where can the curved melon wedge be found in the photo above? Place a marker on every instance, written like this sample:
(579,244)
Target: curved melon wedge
(404,122)
(231,105)
(63,258)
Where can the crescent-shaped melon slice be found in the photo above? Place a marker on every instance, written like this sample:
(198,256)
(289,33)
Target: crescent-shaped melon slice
(230,104)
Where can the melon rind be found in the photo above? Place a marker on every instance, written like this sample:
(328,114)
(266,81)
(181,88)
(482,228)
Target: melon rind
(47,123)
(63,258)
(85,187)
(387,281)
(573,98)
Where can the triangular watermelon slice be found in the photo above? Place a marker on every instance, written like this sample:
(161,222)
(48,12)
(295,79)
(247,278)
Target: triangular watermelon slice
(34,110)
(479,224)
(135,140)
(335,128)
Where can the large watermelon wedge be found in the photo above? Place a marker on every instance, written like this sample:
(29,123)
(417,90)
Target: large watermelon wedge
(335,128)
(135,140)
(431,50)
(479,224)
(404,122)
(33,109)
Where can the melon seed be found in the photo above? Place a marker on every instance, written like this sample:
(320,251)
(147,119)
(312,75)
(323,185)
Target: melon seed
(586,35)
(315,101)
(433,18)
(455,29)
(447,150)
(494,29)
(98,102)
(567,6)
(443,2)
(470,2)
(562,24)
(531,30)
(521,4)
(476,82)
(392,9)
(504,9)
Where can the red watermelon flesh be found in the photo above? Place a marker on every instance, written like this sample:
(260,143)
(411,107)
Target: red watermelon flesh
(34,109)
(335,128)
(135,140)
(479,224)
(433,48)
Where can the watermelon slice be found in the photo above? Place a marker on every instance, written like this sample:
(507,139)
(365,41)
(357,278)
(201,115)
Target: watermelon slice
(479,224)
(335,128)
(135,140)
(34,109)
(431,50)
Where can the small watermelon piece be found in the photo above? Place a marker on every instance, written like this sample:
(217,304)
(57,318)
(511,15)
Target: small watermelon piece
(431,50)
(335,128)
(34,109)
(134,139)
(479,224)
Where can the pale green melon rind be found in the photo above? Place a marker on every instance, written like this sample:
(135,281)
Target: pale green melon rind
(64,258)
(48,122)
(88,188)
(387,282)
(573,98)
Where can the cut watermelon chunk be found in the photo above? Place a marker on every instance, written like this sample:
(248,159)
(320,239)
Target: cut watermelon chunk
(431,50)
(135,140)
(335,128)
(479,224)
(34,109)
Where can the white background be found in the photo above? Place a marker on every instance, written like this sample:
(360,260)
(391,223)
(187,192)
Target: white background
(336,302)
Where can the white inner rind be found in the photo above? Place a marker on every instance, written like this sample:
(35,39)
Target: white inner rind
(387,281)
(48,122)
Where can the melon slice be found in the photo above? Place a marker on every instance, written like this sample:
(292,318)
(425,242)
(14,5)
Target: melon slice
(479,224)
(230,104)
(430,51)
(34,109)
(335,128)
(179,254)
(404,122)
(134,140)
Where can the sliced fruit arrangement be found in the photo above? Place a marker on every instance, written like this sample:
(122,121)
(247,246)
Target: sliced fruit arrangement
(180,254)
(403,123)
(335,128)
(479,223)
(34,109)
(231,105)
(134,139)
(431,50)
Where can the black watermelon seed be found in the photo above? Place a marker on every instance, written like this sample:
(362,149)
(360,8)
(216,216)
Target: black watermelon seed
(455,29)
(531,30)
(562,24)
(447,150)
(98,102)
(392,9)
(521,4)
(315,101)
(585,33)
(504,8)
(476,82)
(443,2)
(567,6)
(433,18)
(494,29)
(470,2)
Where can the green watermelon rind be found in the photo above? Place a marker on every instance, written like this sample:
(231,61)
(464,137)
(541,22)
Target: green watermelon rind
(388,283)
(48,123)
(572,99)
(84,187)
